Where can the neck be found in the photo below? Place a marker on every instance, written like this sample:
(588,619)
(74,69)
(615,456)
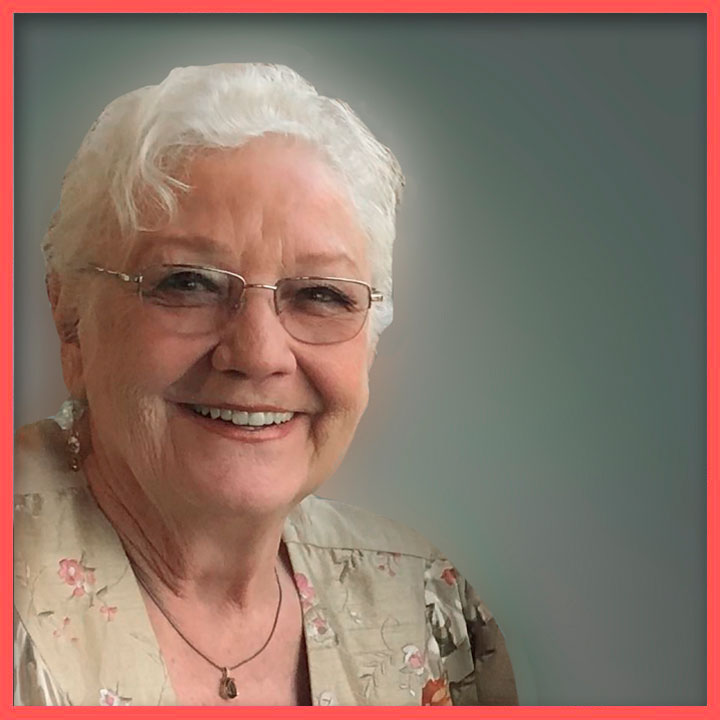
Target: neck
(195,555)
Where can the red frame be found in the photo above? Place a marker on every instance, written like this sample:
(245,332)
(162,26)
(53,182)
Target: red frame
(708,8)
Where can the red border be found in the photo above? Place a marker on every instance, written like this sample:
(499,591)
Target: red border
(361,6)
(6,321)
(6,329)
(713,335)
(713,360)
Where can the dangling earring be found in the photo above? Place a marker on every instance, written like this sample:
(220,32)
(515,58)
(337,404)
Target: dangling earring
(68,419)
(73,443)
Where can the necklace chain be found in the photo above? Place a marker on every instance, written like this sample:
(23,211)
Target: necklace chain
(224,669)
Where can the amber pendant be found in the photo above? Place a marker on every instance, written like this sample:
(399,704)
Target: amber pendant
(228,689)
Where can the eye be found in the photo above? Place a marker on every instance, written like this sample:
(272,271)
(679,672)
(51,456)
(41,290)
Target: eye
(324,295)
(187,281)
(184,286)
(320,298)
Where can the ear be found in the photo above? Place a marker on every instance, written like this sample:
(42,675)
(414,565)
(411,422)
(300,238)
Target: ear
(66,319)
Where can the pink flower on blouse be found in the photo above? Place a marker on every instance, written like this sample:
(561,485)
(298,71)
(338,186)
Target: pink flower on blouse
(449,575)
(319,629)
(108,611)
(320,625)
(60,630)
(71,571)
(108,697)
(76,575)
(305,590)
(413,660)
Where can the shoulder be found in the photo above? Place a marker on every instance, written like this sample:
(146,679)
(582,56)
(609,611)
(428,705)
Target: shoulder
(447,636)
(331,524)
(33,683)
(40,460)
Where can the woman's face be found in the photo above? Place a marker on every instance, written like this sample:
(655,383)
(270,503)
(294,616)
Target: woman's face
(268,210)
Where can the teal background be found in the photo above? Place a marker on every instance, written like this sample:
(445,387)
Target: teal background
(538,406)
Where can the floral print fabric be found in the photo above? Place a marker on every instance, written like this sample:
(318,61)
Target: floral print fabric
(387,619)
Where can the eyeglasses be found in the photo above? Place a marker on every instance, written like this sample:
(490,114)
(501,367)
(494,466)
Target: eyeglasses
(195,299)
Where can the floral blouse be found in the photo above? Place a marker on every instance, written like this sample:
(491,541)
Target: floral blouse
(387,619)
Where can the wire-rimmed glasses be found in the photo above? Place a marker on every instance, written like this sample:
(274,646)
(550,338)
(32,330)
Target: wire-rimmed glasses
(196,299)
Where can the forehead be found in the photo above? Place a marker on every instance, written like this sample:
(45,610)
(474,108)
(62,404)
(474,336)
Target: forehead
(275,200)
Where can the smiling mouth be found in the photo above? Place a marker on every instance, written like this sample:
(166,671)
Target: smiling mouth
(243,419)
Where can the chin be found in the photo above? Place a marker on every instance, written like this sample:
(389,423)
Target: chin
(261,492)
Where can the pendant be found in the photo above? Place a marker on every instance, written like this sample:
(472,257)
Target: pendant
(228,689)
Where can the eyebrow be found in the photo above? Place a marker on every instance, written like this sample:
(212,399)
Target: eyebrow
(193,242)
(203,243)
(327,258)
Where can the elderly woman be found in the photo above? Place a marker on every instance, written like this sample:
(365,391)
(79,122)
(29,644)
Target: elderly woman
(219,273)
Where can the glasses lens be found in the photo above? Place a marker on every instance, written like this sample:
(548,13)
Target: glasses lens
(322,310)
(189,299)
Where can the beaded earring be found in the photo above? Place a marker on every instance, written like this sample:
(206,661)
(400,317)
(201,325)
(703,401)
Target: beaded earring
(68,418)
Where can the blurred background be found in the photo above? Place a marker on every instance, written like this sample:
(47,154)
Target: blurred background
(538,405)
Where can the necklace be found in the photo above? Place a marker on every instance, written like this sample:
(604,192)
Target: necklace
(227,688)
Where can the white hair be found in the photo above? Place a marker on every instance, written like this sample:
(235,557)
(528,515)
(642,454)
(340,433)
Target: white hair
(131,159)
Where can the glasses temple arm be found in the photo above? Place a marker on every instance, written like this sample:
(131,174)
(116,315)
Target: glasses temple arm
(121,275)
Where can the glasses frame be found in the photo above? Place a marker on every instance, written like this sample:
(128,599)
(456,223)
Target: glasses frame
(374,295)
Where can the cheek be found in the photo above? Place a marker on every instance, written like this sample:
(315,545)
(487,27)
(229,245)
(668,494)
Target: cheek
(129,370)
(343,388)
(342,379)
(133,357)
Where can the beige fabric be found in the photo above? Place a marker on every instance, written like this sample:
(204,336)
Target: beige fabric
(387,619)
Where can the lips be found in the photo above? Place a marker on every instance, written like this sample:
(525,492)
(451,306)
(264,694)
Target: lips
(243,417)
(202,416)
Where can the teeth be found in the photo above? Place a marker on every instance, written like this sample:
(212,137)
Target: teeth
(240,417)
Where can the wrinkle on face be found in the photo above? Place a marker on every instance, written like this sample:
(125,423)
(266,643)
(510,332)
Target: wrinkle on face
(271,209)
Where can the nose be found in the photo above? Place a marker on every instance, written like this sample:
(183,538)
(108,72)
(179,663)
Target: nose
(254,343)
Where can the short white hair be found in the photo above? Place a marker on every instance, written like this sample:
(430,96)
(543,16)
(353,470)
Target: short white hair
(137,147)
